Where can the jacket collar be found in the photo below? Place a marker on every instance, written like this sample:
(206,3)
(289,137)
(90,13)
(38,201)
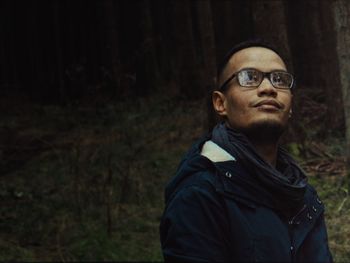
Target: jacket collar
(215,153)
(252,195)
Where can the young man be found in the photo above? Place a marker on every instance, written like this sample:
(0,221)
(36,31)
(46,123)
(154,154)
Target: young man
(238,196)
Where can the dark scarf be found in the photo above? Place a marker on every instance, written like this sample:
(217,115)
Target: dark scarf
(285,187)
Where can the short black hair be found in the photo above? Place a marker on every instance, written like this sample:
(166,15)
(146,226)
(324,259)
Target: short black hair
(255,42)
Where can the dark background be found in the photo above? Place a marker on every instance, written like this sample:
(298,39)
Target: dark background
(59,51)
(100,99)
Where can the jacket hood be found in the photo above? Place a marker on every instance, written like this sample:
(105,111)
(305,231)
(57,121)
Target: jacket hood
(236,182)
(192,162)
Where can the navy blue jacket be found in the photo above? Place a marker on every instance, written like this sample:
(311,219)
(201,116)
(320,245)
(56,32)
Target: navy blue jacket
(211,216)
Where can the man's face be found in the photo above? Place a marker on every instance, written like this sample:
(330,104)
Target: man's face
(249,107)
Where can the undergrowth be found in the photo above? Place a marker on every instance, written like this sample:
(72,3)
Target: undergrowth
(86,182)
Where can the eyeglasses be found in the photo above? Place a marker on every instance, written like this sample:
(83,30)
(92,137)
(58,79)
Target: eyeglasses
(250,77)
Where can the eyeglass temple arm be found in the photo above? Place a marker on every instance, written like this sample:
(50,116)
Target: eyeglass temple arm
(223,86)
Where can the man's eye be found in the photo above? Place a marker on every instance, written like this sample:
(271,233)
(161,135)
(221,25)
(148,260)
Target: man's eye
(249,78)
(252,77)
(277,79)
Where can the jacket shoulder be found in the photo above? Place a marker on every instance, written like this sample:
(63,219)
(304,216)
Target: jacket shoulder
(204,179)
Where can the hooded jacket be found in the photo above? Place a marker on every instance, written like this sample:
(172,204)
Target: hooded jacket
(212,215)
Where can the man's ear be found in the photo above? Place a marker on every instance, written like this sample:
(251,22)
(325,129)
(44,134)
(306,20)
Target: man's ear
(219,103)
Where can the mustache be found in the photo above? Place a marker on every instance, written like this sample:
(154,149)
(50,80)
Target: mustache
(273,102)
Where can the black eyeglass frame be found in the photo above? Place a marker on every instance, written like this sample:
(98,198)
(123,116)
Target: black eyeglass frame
(265,74)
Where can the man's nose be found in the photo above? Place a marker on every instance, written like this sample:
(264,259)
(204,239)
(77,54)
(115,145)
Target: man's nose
(266,88)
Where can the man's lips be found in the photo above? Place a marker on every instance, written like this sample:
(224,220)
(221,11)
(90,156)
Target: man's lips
(268,104)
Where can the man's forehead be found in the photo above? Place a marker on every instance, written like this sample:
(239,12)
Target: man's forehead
(261,58)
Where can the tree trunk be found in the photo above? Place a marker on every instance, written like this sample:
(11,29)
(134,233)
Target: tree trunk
(232,24)
(9,67)
(206,44)
(187,74)
(59,53)
(313,41)
(110,15)
(341,12)
(335,111)
(147,72)
(270,24)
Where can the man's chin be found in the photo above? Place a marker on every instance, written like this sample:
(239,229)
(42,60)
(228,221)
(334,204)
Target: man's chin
(268,131)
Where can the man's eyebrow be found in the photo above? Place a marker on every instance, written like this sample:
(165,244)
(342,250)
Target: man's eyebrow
(274,70)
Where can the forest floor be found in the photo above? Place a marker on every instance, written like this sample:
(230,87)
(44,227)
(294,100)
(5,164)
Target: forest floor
(85,182)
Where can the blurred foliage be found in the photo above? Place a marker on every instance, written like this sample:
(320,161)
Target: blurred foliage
(85,182)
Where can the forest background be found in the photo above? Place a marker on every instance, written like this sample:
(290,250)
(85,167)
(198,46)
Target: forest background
(99,100)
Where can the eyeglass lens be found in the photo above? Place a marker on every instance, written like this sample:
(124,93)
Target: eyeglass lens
(253,78)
